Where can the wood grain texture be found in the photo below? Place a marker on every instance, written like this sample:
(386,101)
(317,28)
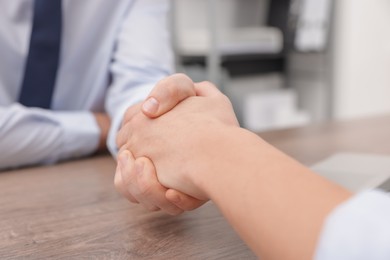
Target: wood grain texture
(72,211)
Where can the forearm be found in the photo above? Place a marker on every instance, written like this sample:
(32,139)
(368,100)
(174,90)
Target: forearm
(35,136)
(271,200)
(141,59)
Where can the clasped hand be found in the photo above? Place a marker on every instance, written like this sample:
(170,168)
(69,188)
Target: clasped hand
(165,144)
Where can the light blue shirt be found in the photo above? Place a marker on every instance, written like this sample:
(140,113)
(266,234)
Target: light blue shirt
(113,53)
(358,229)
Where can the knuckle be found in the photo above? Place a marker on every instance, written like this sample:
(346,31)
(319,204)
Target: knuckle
(208,84)
(185,86)
(173,91)
(178,86)
(122,148)
(182,76)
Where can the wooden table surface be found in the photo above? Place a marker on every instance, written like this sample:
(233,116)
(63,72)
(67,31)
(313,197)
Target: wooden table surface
(72,211)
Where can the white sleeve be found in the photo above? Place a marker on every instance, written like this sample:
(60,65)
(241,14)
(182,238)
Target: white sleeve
(358,229)
(143,56)
(34,136)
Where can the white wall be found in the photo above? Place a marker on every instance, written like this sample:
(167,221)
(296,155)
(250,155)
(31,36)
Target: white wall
(361,58)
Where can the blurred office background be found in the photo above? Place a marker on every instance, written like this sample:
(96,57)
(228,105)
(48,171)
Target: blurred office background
(287,63)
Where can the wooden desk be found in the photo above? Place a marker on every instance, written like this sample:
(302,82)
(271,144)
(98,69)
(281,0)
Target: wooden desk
(72,210)
(314,143)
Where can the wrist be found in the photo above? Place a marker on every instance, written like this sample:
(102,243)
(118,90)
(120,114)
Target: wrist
(103,122)
(223,151)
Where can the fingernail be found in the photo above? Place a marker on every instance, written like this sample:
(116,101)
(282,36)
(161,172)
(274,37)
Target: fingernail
(124,158)
(150,105)
(139,167)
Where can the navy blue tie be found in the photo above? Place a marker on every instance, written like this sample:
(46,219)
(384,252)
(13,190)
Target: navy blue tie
(44,54)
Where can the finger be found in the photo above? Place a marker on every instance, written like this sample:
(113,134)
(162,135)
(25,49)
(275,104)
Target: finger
(125,131)
(127,168)
(183,201)
(150,189)
(167,94)
(122,136)
(131,112)
(126,163)
(120,186)
(206,89)
(125,134)
(122,149)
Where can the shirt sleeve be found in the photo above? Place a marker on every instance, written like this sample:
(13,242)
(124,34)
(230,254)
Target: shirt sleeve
(358,229)
(143,56)
(36,136)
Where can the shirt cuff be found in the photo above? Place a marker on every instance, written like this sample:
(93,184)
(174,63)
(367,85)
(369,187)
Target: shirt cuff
(81,134)
(358,229)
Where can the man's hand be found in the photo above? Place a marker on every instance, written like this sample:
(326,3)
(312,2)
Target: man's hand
(145,188)
(104,122)
(175,141)
(137,181)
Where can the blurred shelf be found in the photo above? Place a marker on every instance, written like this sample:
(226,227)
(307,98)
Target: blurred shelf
(240,65)
(245,50)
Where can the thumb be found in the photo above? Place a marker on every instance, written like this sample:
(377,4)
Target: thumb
(167,94)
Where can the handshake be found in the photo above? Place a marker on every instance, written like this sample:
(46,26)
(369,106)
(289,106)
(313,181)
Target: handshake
(170,145)
(183,147)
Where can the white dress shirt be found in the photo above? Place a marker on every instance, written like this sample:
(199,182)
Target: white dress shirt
(113,52)
(358,229)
